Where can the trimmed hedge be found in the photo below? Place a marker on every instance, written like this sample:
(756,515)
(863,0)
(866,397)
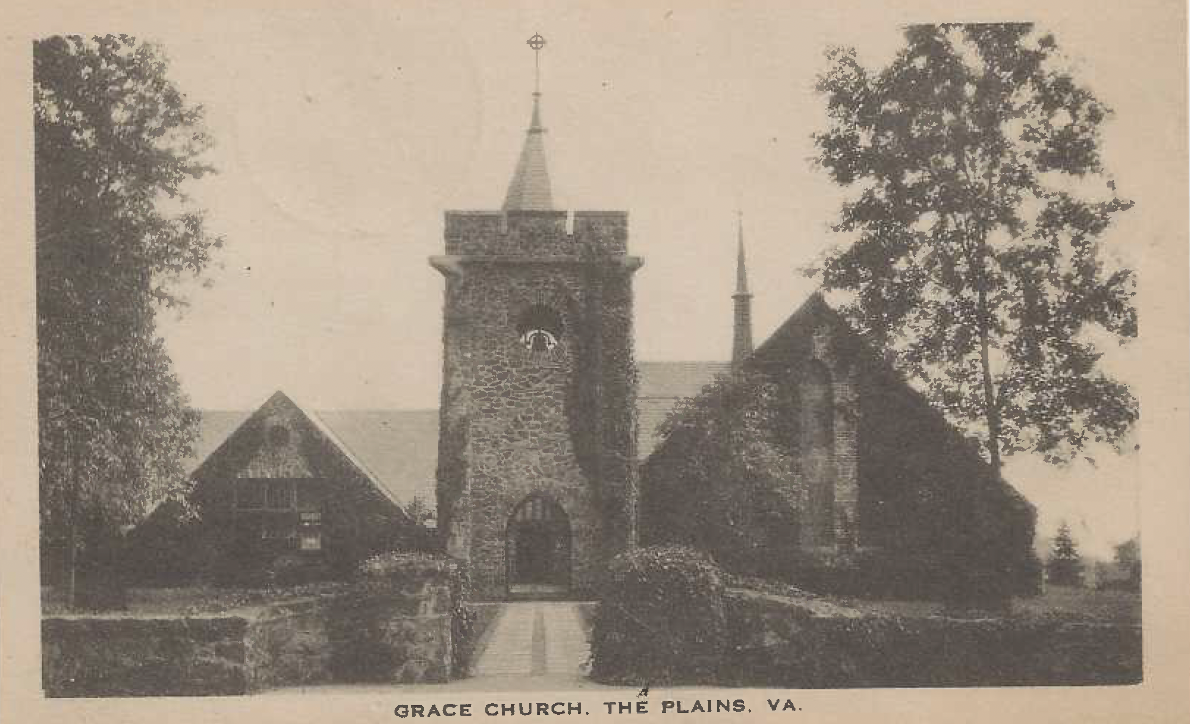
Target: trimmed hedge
(778,643)
(661,618)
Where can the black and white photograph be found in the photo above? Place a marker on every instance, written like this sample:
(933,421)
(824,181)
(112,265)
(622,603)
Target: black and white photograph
(737,359)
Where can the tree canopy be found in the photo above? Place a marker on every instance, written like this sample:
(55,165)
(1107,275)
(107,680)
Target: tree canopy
(115,141)
(977,219)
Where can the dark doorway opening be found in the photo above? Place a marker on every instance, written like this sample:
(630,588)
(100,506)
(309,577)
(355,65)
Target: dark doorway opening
(538,547)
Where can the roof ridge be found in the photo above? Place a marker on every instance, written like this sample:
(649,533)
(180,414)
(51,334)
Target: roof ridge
(325,428)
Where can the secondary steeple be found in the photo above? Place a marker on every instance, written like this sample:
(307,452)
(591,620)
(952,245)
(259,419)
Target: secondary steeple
(741,347)
(529,189)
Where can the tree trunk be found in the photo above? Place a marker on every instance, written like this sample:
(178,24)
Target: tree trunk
(72,525)
(71,563)
(991,408)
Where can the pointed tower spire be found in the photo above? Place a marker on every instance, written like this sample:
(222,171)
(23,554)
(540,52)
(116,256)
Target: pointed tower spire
(741,348)
(529,189)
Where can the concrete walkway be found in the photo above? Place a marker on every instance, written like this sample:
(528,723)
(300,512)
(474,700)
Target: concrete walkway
(531,646)
(535,638)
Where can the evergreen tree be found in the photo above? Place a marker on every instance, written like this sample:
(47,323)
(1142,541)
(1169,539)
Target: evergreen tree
(1065,566)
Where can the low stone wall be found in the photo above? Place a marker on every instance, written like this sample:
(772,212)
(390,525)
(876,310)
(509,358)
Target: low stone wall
(287,644)
(782,642)
(370,632)
(391,638)
(95,656)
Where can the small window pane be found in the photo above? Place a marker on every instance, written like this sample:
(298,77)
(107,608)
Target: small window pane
(280,495)
(311,541)
(250,494)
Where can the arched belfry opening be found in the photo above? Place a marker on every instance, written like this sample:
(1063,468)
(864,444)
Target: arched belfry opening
(539,328)
(538,546)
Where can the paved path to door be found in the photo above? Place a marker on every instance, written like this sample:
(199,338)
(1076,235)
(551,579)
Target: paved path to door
(531,646)
(535,638)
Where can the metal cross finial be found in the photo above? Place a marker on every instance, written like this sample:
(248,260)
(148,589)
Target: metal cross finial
(536,43)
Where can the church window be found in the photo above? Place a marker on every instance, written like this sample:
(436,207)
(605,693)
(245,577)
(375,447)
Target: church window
(310,530)
(817,449)
(539,328)
(280,494)
(817,398)
(822,343)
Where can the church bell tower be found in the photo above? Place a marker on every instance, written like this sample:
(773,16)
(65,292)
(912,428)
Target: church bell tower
(537,439)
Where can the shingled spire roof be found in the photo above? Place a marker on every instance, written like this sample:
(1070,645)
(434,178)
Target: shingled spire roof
(741,269)
(529,189)
(741,344)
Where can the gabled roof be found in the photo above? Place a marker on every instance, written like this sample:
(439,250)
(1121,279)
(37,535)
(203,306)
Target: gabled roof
(661,385)
(789,340)
(789,343)
(398,449)
(399,446)
(280,402)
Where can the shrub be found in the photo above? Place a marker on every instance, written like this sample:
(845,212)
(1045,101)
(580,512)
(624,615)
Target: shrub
(291,569)
(464,633)
(661,618)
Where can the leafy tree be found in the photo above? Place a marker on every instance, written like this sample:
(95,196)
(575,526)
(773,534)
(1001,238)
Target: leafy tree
(114,142)
(719,480)
(977,258)
(1127,559)
(1065,566)
(419,511)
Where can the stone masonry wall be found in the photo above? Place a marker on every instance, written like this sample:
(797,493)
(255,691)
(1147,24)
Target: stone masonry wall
(387,631)
(123,656)
(517,422)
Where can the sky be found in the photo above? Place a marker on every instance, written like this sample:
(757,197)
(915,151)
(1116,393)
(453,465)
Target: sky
(343,137)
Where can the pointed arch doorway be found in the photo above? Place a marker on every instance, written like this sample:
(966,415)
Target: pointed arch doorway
(538,548)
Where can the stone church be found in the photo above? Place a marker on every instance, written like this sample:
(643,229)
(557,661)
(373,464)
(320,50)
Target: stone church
(537,445)
(546,422)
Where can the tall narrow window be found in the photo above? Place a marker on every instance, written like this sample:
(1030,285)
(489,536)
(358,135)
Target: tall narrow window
(817,451)
(280,494)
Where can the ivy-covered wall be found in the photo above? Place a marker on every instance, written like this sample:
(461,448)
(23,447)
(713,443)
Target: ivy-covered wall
(555,421)
(879,479)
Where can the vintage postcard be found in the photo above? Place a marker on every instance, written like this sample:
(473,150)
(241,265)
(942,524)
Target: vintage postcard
(393,361)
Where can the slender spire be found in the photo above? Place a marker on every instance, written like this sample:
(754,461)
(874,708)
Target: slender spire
(741,270)
(529,189)
(741,347)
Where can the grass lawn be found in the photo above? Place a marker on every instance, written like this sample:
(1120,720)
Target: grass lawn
(1117,606)
(1057,601)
